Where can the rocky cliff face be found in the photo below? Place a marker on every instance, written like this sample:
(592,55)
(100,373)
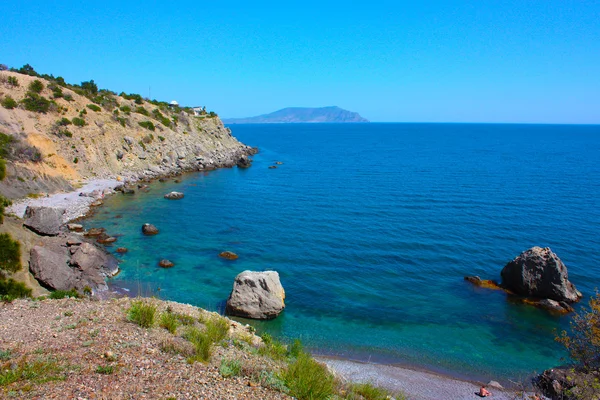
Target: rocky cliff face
(111,144)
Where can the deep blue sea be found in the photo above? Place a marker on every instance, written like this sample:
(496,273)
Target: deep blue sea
(372,228)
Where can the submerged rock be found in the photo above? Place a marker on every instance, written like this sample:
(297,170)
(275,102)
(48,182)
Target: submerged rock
(149,229)
(256,295)
(122,250)
(174,196)
(44,220)
(166,264)
(273,167)
(538,272)
(229,255)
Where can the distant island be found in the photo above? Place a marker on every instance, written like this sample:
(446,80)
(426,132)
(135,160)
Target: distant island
(301,115)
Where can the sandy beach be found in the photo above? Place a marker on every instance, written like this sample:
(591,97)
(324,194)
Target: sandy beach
(416,385)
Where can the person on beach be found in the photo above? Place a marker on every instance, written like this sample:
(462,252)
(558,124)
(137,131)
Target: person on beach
(483,392)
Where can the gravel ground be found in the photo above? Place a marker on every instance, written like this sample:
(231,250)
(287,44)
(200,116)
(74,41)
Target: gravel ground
(75,205)
(82,335)
(416,385)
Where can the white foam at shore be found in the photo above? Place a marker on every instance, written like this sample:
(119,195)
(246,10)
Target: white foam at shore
(75,205)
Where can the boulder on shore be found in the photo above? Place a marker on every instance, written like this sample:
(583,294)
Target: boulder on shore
(49,265)
(174,196)
(256,295)
(538,272)
(244,162)
(44,220)
(149,229)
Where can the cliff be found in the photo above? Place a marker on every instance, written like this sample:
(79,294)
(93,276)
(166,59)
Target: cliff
(300,115)
(78,134)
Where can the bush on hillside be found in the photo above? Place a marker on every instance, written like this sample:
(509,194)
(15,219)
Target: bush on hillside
(308,379)
(63,122)
(68,97)
(35,102)
(36,86)
(11,289)
(12,81)
(9,103)
(142,110)
(10,254)
(78,122)
(125,109)
(132,96)
(142,313)
(89,87)
(27,70)
(147,124)
(94,107)
(2,170)
(160,117)
(4,202)
(56,90)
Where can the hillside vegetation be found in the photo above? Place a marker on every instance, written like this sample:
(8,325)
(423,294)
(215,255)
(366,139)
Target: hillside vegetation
(62,134)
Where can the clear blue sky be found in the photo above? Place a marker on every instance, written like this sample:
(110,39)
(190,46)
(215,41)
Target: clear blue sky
(446,61)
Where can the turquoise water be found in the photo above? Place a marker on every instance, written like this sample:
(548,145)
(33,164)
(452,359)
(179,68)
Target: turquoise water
(372,228)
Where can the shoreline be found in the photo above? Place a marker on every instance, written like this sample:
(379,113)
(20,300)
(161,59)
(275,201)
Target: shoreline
(416,382)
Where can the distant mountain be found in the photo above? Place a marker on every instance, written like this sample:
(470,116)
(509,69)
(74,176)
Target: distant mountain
(301,114)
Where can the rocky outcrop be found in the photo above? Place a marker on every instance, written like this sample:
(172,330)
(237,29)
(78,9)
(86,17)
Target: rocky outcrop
(50,266)
(174,196)
(89,258)
(44,220)
(244,162)
(256,295)
(538,272)
(149,230)
(569,383)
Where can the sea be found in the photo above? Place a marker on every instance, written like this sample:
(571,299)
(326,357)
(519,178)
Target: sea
(372,228)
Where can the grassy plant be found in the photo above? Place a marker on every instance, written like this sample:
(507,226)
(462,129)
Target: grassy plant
(271,380)
(273,348)
(94,107)
(147,124)
(9,103)
(201,342)
(368,391)
(175,345)
(11,290)
(169,321)
(125,109)
(68,97)
(61,294)
(79,122)
(217,328)
(40,370)
(105,369)
(36,86)
(185,319)
(5,355)
(307,379)
(63,122)
(230,368)
(142,110)
(142,313)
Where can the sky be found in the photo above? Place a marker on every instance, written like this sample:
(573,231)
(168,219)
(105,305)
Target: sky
(399,61)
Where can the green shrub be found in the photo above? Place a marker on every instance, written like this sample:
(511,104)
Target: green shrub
(4,202)
(367,391)
(105,369)
(273,348)
(9,103)
(12,81)
(136,97)
(230,368)
(2,169)
(82,112)
(169,321)
(35,102)
(147,124)
(142,110)
(159,116)
(215,330)
(125,109)
(10,254)
(27,70)
(122,121)
(5,355)
(308,379)
(161,138)
(36,86)
(142,313)
(11,289)
(68,97)
(56,90)
(64,122)
(94,107)
(61,294)
(185,319)
(75,160)
(79,122)
(89,87)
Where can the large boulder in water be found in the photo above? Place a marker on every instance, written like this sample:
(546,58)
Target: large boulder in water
(174,196)
(44,220)
(538,272)
(149,229)
(256,295)
(92,261)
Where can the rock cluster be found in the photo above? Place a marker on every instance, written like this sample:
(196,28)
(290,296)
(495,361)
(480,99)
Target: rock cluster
(174,196)
(256,295)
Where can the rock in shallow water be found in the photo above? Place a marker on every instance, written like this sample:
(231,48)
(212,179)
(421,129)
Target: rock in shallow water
(166,264)
(538,272)
(149,229)
(256,295)
(229,255)
(174,196)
